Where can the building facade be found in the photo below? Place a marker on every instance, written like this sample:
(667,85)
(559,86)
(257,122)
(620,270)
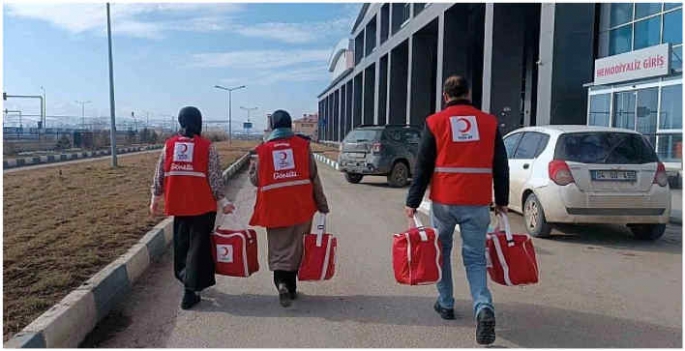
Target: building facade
(638,74)
(527,64)
(307,125)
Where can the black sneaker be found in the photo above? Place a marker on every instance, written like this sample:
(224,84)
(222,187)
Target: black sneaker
(485,329)
(284,295)
(190,299)
(445,313)
(293,294)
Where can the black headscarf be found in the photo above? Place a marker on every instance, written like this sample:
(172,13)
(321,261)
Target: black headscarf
(281,119)
(190,119)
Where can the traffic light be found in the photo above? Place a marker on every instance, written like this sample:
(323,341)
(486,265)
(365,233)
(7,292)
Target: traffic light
(4,96)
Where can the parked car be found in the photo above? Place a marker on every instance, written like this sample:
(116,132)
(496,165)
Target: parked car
(583,174)
(380,151)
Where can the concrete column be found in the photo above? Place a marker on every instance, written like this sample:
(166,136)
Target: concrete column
(379,29)
(338,119)
(546,64)
(363,87)
(387,88)
(354,96)
(376,91)
(343,109)
(487,55)
(331,108)
(379,25)
(350,105)
(441,57)
(409,70)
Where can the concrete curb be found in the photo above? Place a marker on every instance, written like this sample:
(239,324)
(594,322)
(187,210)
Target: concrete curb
(327,161)
(235,167)
(32,161)
(68,322)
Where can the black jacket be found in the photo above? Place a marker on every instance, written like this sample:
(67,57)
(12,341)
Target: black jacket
(425,165)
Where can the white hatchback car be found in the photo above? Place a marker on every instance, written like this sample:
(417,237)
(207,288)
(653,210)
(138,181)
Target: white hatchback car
(583,174)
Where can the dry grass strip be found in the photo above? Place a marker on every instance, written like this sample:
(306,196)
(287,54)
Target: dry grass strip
(63,224)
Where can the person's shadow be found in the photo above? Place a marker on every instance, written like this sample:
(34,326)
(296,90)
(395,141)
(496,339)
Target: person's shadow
(522,324)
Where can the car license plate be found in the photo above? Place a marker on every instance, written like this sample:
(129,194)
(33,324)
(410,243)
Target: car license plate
(615,176)
(356,155)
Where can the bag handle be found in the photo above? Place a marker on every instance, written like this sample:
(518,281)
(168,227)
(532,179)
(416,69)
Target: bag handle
(320,229)
(502,219)
(236,219)
(420,227)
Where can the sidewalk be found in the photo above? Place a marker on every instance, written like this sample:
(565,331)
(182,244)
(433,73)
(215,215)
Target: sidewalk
(677,206)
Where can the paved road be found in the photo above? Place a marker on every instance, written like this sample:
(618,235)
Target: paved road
(599,288)
(62,163)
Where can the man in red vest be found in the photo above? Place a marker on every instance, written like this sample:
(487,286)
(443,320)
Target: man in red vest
(289,193)
(189,176)
(460,155)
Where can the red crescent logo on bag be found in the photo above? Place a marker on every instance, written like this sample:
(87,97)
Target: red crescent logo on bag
(467,125)
(284,155)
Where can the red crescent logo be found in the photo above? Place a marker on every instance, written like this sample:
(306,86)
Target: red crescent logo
(284,156)
(225,252)
(467,123)
(184,148)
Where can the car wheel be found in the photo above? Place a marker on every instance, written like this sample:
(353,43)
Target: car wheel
(534,217)
(354,178)
(647,231)
(399,175)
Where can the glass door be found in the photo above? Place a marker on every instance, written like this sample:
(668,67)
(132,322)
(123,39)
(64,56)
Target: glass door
(647,111)
(624,109)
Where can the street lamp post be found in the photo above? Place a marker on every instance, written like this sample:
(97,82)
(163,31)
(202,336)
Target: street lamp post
(83,113)
(229,90)
(112,134)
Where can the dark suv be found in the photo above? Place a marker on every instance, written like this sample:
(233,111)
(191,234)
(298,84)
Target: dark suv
(380,151)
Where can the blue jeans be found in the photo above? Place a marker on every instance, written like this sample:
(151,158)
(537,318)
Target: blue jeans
(473,224)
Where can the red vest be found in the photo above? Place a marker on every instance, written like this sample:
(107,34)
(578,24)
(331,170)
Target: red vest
(186,183)
(465,138)
(285,194)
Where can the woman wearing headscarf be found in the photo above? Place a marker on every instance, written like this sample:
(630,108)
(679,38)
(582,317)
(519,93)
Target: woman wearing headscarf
(189,176)
(289,193)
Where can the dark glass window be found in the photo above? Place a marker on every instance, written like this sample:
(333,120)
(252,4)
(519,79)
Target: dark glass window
(647,32)
(621,13)
(600,110)
(620,40)
(644,9)
(671,107)
(511,142)
(529,147)
(673,27)
(604,148)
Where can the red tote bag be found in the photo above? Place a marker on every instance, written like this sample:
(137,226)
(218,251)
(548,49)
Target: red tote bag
(417,255)
(235,252)
(511,257)
(318,258)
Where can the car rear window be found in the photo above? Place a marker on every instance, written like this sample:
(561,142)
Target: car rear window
(362,135)
(604,148)
(402,135)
